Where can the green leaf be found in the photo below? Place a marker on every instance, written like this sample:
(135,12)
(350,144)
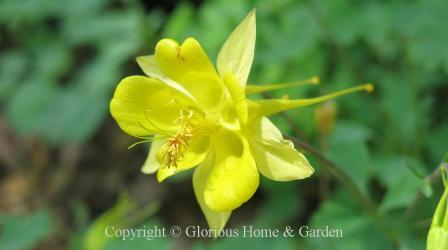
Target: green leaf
(342,13)
(25,109)
(421,19)
(95,238)
(23,231)
(405,111)
(404,184)
(358,229)
(282,197)
(67,110)
(12,68)
(348,149)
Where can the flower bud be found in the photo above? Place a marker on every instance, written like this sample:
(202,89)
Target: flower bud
(438,233)
(325,116)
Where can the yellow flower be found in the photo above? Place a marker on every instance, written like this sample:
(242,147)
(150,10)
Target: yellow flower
(198,116)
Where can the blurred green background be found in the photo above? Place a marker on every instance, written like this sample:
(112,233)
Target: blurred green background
(66,172)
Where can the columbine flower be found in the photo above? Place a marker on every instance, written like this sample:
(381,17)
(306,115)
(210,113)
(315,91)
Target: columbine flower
(197,116)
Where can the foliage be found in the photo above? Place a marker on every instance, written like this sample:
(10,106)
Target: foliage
(22,232)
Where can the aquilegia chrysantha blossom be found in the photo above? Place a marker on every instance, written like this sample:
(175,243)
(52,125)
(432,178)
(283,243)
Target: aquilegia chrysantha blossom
(199,116)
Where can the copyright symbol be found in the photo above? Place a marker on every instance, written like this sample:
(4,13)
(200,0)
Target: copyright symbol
(175,231)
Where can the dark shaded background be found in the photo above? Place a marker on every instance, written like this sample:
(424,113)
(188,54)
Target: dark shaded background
(66,172)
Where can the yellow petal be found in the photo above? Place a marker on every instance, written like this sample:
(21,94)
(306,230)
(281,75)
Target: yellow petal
(216,220)
(189,66)
(238,96)
(255,89)
(272,106)
(143,106)
(149,66)
(234,177)
(195,153)
(276,158)
(151,164)
(237,53)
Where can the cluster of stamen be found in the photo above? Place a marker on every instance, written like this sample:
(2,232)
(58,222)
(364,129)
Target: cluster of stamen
(174,149)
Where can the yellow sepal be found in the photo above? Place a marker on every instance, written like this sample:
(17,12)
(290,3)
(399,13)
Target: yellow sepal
(237,53)
(276,158)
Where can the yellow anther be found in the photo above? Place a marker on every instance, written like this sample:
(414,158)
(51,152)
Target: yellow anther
(369,87)
(314,80)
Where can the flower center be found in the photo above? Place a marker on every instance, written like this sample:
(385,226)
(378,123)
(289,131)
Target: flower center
(174,149)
